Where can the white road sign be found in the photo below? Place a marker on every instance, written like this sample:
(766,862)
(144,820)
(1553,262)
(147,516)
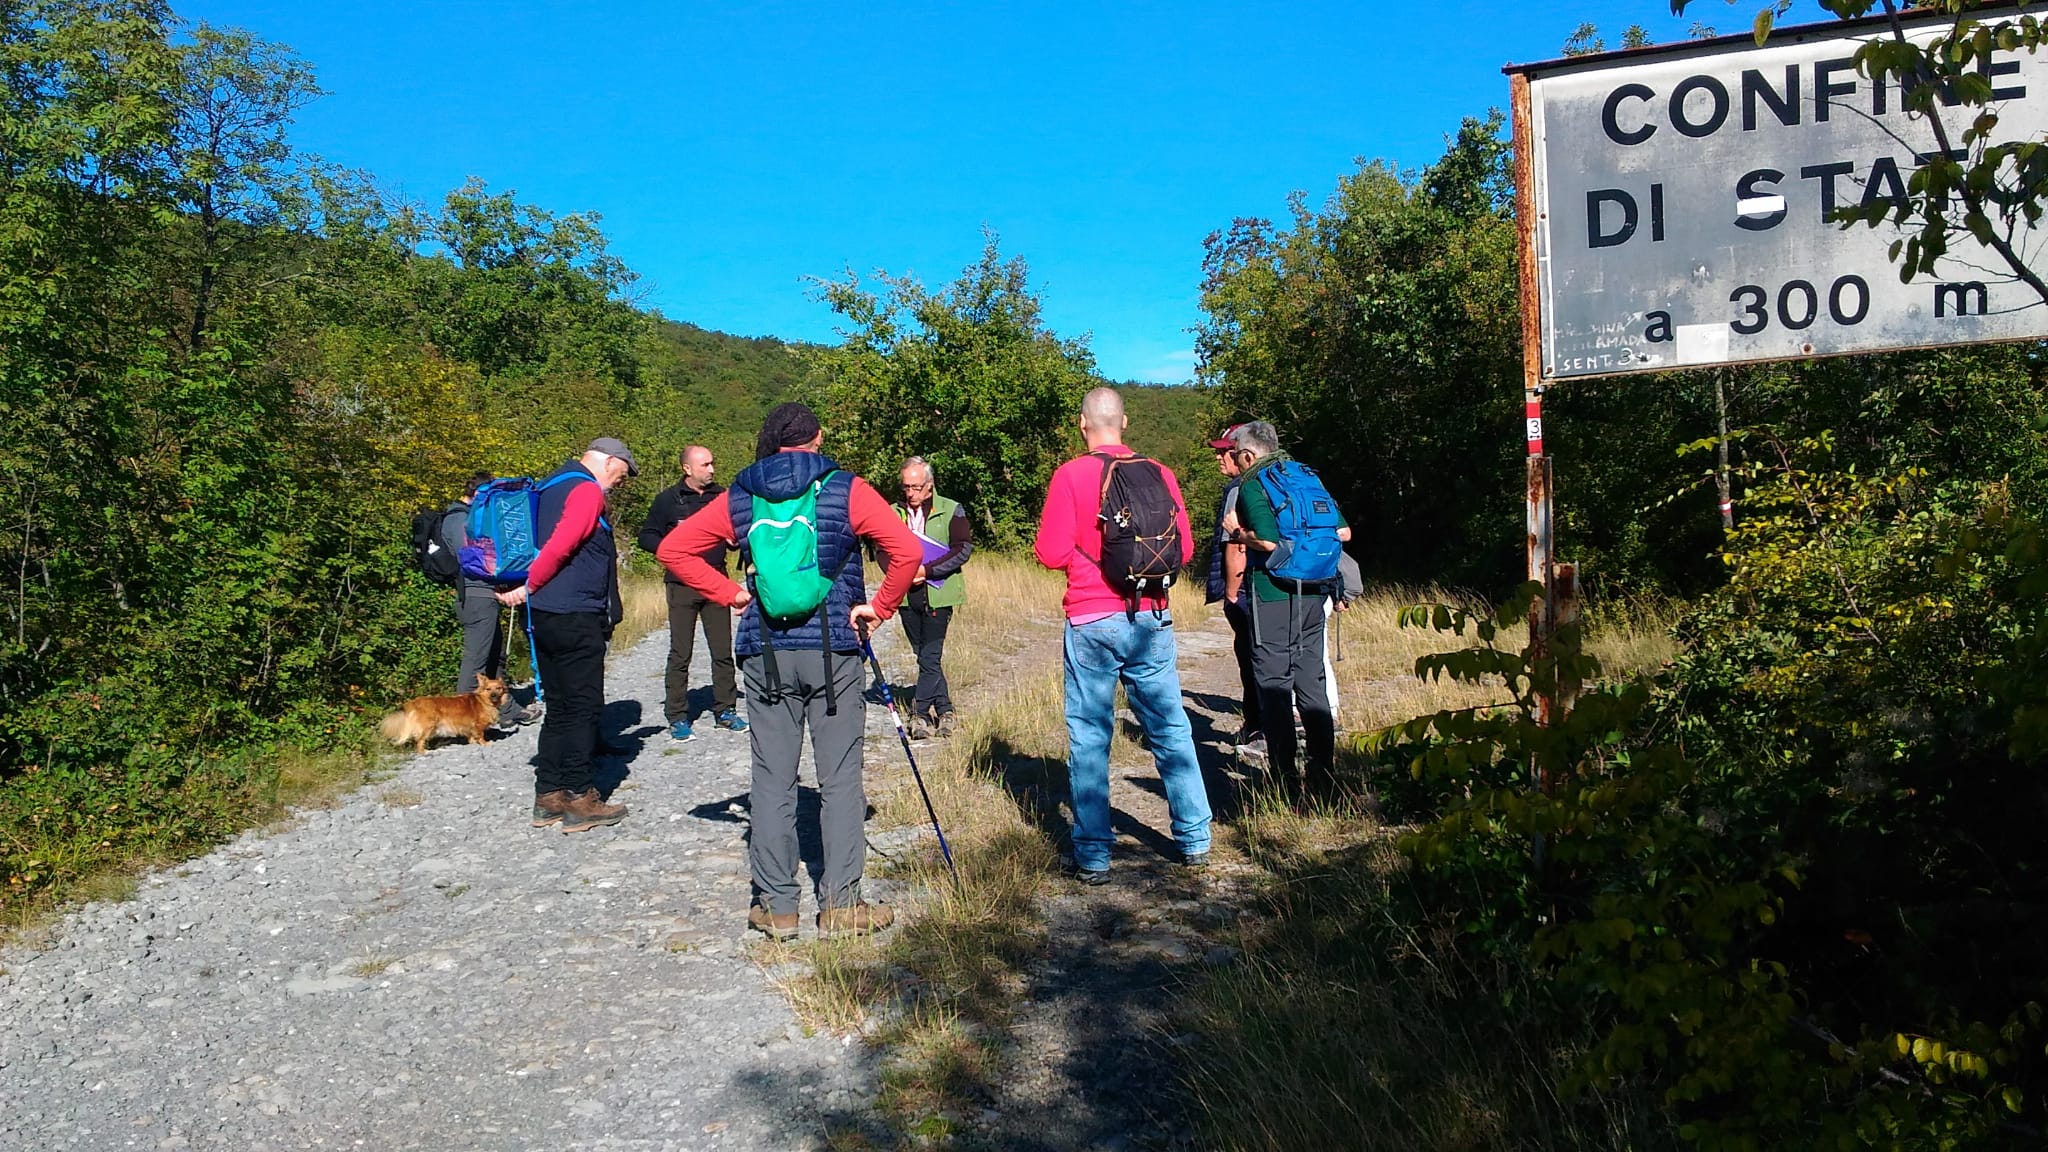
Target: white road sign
(1682,200)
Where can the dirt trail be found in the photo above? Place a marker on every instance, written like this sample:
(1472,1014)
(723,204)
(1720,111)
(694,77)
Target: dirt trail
(1093,1051)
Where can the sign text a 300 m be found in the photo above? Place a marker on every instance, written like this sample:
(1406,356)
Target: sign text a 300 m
(1682,202)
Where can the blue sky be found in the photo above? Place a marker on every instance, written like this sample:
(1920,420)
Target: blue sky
(735,149)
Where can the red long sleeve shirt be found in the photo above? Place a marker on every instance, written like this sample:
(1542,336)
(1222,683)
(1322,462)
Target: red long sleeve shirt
(1070,534)
(682,550)
(580,513)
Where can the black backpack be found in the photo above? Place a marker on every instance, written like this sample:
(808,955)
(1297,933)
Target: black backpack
(1140,527)
(430,553)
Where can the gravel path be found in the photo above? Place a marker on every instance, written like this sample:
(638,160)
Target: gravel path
(417,968)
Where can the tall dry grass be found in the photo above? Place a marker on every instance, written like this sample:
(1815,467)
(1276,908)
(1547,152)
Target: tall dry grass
(1361,1028)
(645,600)
(1375,675)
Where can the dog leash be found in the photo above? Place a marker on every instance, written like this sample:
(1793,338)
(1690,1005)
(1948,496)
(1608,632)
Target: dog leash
(533,655)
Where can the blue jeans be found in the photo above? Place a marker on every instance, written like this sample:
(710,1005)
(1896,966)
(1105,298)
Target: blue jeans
(1139,652)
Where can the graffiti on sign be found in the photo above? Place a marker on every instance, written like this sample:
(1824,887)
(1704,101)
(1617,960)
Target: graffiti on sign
(1683,202)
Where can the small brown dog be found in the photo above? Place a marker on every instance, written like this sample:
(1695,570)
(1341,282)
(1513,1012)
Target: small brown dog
(429,716)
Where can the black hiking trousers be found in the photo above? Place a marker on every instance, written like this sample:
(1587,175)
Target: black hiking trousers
(569,647)
(925,628)
(1247,681)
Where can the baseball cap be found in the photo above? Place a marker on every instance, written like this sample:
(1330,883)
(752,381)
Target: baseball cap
(613,446)
(1224,441)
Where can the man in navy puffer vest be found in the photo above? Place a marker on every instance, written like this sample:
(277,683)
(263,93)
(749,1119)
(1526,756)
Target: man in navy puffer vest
(803,672)
(569,591)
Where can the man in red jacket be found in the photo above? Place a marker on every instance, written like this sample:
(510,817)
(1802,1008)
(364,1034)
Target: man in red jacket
(804,671)
(1109,638)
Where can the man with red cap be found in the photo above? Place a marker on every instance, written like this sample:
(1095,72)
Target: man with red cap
(1226,583)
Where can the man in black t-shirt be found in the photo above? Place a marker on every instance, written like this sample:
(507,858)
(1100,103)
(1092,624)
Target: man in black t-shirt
(688,608)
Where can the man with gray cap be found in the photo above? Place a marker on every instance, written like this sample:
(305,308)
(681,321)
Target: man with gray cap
(569,595)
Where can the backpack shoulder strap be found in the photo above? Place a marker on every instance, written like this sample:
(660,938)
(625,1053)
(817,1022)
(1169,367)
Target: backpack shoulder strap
(561,478)
(1108,470)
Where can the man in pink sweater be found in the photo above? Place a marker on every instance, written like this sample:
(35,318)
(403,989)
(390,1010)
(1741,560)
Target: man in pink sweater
(1110,638)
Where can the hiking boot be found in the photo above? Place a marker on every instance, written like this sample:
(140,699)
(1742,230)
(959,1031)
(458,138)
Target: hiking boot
(523,716)
(549,807)
(948,723)
(857,920)
(774,925)
(680,731)
(1195,861)
(730,720)
(586,811)
(1254,749)
(920,728)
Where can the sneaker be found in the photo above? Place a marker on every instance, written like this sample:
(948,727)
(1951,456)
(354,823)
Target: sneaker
(858,920)
(774,925)
(1092,877)
(523,716)
(920,728)
(680,731)
(948,723)
(586,811)
(1254,749)
(550,807)
(730,720)
(1195,860)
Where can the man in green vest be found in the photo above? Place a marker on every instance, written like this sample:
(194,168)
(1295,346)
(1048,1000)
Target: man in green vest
(939,588)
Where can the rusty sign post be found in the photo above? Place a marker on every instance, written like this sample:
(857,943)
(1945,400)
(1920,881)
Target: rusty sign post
(1538,496)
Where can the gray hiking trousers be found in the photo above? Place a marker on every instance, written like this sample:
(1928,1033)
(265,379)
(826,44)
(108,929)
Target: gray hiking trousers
(1287,661)
(483,638)
(776,722)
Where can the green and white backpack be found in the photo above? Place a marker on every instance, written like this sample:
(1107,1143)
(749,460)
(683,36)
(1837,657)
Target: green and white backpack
(782,543)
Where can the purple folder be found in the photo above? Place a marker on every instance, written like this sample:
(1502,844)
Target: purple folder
(932,551)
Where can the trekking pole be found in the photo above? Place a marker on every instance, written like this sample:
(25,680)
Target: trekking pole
(1337,623)
(903,734)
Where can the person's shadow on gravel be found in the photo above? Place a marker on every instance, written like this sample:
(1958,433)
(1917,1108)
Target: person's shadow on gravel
(731,810)
(810,839)
(1038,786)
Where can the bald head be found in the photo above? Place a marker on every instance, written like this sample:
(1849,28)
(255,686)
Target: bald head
(698,467)
(1102,408)
(1102,417)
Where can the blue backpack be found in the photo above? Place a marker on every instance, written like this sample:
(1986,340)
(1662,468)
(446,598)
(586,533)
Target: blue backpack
(504,528)
(1309,548)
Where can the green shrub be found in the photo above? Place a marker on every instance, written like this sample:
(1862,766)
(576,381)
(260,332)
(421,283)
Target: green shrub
(1796,880)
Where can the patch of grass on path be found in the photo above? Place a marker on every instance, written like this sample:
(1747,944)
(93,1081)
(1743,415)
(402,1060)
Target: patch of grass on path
(1343,1026)
(936,995)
